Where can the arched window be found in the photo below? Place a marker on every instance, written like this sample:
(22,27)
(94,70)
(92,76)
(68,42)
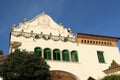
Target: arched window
(56,54)
(65,55)
(74,56)
(38,51)
(47,53)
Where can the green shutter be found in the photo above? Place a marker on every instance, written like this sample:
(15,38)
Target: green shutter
(74,56)
(38,51)
(56,54)
(65,55)
(100,57)
(47,54)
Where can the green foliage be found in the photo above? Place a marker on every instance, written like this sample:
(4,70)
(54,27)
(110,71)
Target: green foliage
(22,65)
(111,77)
(113,64)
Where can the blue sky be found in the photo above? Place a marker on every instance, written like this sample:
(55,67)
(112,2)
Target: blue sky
(101,17)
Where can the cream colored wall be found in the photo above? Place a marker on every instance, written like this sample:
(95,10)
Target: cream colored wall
(88,64)
(89,59)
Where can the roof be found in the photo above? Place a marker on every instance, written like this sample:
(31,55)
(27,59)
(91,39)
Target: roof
(84,35)
(112,70)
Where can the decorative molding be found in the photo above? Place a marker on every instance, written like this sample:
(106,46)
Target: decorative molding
(15,44)
(44,36)
(97,37)
(96,40)
(43,20)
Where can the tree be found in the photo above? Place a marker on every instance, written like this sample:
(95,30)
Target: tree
(112,77)
(1,52)
(22,65)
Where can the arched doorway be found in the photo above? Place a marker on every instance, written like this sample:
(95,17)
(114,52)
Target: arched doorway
(62,75)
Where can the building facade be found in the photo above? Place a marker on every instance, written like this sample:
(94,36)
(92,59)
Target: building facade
(71,57)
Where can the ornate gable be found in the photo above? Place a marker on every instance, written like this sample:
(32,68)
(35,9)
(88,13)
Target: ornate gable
(43,24)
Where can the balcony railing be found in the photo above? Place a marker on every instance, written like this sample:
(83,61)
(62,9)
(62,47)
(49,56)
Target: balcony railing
(44,36)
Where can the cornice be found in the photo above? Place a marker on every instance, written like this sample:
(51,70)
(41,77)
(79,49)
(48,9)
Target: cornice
(99,40)
(97,37)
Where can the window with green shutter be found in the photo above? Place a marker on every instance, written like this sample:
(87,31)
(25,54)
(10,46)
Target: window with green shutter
(56,54)
(47,53)
(38,51)
(74,56)
(100,57)
(65,55)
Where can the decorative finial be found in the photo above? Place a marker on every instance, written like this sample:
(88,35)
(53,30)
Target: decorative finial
(60,24)
(14,25)
(42,13)
(25,20)
(69,30)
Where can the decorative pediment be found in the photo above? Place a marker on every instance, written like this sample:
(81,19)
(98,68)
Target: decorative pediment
(45,24)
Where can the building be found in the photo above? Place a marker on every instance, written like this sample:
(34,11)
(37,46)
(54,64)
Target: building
(71,57)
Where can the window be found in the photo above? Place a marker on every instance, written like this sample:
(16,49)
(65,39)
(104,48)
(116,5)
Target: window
(56,54)
(38,51)
(47,53)
(65,55)
(100,57)
(74,56)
